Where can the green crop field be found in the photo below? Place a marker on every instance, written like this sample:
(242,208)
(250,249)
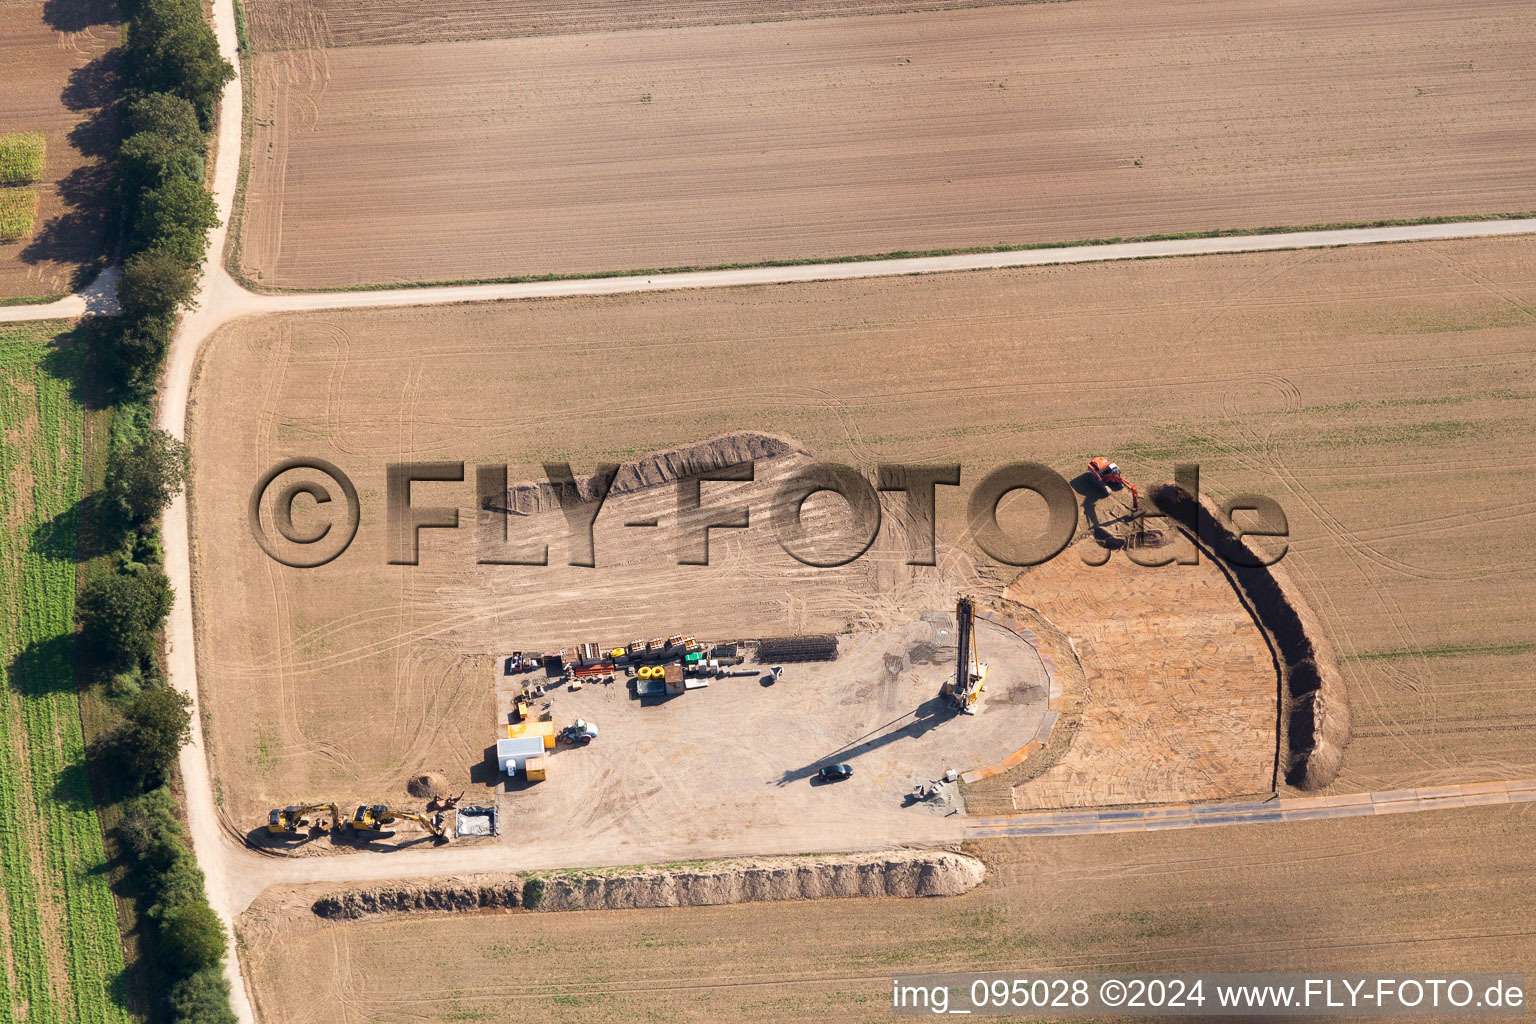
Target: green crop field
(60,955)
(21,158)
(18,208)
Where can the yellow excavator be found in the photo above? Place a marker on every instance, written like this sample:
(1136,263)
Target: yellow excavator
(287,821)
(372,821)
(964,688)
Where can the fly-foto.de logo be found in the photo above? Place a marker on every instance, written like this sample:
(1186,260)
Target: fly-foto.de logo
(305,512)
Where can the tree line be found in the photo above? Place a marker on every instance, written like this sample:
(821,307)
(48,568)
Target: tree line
(171,77)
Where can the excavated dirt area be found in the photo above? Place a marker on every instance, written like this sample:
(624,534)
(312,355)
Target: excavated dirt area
(900,873)
(1261,898)
(830,137)
(1181,688)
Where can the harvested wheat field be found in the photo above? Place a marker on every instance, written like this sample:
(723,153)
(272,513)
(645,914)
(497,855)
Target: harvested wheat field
(60,81)
(1265,898)
(841,136)
(1382,395)
(305,24)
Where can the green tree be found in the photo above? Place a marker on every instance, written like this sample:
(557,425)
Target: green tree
(151,735)
(119,612)
(147,160)
(172,49)
(175,216)
(202,998)
(137,348)
(147,819)
(192,937)
(155,285)
(145,476)
(165,115)
(180,881)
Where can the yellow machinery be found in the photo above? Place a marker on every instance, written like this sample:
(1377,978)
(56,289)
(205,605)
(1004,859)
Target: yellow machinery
(526,728)
(287,821)
(964,688)
(372,821)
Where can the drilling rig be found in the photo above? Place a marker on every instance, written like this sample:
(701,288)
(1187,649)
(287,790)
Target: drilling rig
(964,689)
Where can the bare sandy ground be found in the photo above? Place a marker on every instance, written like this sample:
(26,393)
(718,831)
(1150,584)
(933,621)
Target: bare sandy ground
(1403,561)
(1016,124)
(1265,898)
(60,80)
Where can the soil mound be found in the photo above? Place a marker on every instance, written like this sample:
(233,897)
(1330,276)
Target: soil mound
(1314,706)
(655,469)
(896,874)
(427,784)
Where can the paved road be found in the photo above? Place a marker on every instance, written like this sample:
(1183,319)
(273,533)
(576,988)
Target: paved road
(1259,812)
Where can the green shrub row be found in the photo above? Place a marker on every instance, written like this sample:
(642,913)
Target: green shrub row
(188,935)
(172,77)
(120,613)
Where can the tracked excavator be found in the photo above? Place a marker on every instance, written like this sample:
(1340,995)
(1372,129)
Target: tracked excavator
(964,689)
(372,821)
(287,821)
(1108,476)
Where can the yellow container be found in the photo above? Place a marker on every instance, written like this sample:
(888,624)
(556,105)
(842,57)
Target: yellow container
(534,768)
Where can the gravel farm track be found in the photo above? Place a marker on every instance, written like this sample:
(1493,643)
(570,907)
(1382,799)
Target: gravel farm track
(236,876)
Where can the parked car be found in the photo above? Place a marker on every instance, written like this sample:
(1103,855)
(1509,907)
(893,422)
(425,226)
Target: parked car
(835,772)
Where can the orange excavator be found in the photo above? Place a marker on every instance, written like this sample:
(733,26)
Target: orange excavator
(1107,475)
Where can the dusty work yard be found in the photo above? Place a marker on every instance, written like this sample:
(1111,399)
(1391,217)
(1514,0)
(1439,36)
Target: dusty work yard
(719,144)
(1265,898)
(60,80)
(341,682)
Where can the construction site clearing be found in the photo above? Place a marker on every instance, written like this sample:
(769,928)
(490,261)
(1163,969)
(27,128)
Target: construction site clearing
(623,751)
(712,728)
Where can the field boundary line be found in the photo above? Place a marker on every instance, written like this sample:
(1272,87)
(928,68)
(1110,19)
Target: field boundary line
(1257,812)
(224,298)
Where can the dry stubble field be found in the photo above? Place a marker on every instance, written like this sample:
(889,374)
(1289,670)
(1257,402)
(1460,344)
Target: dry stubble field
(714,144)
(1428,892)
(1382,395)
(59,80)
(303,24)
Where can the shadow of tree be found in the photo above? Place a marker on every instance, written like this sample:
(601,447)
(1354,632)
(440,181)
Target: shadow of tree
(79,232)
(76,359)
(93,527)
(83,231)
(44,667)
(93,85)
(73,788)
(78,15)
